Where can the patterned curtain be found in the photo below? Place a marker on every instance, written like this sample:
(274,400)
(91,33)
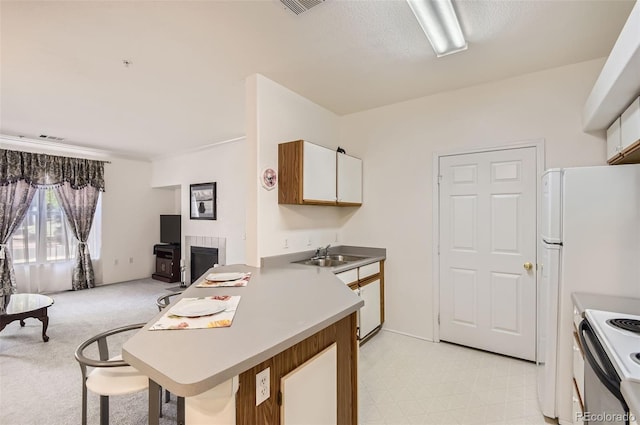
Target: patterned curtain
(40,170)
(79,206)
(15,199)
(77,183)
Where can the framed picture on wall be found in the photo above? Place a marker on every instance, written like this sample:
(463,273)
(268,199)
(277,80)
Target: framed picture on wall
(202,205)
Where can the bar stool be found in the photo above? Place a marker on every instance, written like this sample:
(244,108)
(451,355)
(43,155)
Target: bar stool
(165,300)
(108,375)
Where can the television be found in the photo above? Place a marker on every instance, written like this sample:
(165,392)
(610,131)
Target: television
(170,229)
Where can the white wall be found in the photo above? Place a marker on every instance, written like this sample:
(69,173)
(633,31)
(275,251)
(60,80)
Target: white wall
(131,211)
(224,164)
(279,115)
(397,143)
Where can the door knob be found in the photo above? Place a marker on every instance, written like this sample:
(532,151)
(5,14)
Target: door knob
(528,266)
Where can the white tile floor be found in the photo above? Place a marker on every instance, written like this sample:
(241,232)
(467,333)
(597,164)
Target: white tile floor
(404,380)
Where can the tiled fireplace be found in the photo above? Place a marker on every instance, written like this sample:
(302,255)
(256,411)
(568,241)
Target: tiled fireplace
(204,248)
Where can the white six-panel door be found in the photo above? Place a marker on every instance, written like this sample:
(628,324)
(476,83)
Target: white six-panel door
(487,242)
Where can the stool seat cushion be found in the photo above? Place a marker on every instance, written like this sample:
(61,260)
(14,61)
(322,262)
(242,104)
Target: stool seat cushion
(116,380)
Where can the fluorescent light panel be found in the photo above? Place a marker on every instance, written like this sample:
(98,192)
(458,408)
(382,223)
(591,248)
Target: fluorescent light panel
(440,23)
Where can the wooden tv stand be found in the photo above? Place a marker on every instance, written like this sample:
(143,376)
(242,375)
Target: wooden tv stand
(167,263)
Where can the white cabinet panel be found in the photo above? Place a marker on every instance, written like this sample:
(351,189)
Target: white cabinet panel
(630,124)
(614,142)
(578,367)
(348,277)
(349,179)
(370,312)
(578,413)
(368,270)
(310,392)
(319,173)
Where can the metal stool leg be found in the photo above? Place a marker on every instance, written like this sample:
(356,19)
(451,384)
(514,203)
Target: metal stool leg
(180,410)
(104,410)
(84,404)
(154,403)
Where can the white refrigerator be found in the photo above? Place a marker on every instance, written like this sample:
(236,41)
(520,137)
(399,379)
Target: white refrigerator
(589,241)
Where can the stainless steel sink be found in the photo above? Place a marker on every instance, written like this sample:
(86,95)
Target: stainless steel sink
(330,260)
(323,262)
(345,258)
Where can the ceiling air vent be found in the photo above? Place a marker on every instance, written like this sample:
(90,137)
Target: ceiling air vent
(300,6)
(57,139)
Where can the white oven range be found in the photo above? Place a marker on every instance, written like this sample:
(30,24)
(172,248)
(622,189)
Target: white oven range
(611,345)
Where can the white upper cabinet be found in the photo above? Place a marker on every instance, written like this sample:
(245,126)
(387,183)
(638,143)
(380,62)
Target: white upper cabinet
(310,174)
(618,83)
(614,146)
(318,173)
(630,126)
(349,179)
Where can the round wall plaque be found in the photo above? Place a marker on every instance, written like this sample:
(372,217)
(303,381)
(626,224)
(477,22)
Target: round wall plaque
(269,178)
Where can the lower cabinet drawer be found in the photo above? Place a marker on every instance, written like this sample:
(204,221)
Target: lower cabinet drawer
(578,366)
(350,276)
(368,270)
(577,410)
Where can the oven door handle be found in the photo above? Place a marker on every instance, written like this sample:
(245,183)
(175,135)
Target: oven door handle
(612,384)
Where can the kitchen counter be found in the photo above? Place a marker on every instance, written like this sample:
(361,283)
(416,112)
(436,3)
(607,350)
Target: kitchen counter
(583,301)
(280,307)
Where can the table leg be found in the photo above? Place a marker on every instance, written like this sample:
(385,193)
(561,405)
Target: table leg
(44,318)
(154,403)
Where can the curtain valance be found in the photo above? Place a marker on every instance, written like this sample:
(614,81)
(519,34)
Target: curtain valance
(40,169)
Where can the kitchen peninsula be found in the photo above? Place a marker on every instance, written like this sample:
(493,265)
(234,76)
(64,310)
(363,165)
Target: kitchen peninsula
(286,317)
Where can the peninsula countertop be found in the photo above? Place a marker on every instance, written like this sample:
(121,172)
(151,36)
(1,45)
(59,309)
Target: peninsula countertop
(279,307)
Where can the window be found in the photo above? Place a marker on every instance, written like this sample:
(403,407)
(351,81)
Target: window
(44,235)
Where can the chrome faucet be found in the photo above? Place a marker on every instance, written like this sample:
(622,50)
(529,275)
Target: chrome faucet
(318,253)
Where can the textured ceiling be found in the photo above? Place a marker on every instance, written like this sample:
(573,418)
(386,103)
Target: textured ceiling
(62,71)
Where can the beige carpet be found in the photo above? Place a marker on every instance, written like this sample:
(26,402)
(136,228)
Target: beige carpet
(40,383)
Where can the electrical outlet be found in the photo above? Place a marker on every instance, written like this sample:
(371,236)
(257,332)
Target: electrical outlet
(130,260)
(263,382)
(115,262)
(286,243)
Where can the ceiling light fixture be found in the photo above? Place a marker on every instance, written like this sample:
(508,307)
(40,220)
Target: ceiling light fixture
(440,23)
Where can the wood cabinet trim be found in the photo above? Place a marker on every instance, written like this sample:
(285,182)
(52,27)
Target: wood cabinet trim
(630,155)
(315,202)
(343,333)
(290,172)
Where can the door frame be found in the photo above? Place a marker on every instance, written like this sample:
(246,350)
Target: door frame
(538,144)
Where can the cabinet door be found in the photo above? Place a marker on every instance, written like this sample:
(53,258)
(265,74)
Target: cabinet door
(348,277)
(370,312)
(318,173)
(630,125)
(614,144)
(310,392)
(349,179)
